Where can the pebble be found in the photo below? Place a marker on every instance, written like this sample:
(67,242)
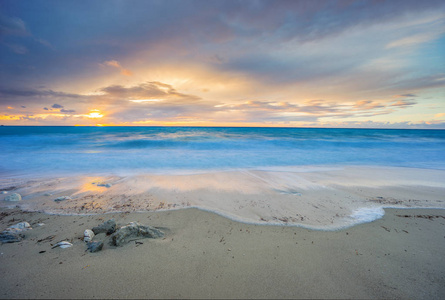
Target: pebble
(88,235)
(134,229)
(62,198)
(62,245)
(108,227)
(19,227)
(10,237)
(13,197)
(105,184)
(95,246)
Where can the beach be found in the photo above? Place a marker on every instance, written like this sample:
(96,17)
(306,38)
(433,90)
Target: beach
(204,255)
(343,232)
(239,212)
(222,149)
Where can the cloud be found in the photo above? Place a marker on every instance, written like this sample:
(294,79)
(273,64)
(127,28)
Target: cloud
(116,64)
(67,110)
(61,108)
(415,39)
(145,91)
(376,124)
(404,103)
(26,93)
(12,26)
(18,49)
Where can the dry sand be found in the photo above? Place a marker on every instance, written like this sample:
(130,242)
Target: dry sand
(208,256)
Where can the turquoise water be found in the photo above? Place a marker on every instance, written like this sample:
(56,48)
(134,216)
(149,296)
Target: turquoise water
(94,150)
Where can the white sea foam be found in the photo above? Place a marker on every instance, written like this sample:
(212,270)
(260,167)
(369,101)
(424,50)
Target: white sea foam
(367,214)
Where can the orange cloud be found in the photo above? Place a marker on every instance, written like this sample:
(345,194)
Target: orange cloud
(116,64)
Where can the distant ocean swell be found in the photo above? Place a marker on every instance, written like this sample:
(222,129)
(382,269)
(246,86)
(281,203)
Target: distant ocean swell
(37,150)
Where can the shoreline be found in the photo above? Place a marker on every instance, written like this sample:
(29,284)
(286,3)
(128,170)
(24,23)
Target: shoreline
(321,198)
(204,255)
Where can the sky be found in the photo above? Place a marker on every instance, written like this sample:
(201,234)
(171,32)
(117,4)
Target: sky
(372,64)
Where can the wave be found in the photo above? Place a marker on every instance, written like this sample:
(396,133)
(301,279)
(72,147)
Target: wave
(113,149)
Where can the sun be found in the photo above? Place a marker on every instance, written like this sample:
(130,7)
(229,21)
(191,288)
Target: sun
(95,114)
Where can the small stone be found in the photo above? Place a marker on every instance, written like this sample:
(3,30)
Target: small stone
(47,194)
(63,245)
(13,197)
(63,198)
(105,184)
(10,237)
(88,235)
(19,227)
(134,229)
(95,246)
(108,227)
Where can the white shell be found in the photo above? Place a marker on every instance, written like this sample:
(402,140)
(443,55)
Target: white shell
(88,235)
(63,244)
(21,225)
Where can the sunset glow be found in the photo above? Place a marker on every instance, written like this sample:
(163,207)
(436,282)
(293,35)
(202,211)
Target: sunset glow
(249,63)
(95,114)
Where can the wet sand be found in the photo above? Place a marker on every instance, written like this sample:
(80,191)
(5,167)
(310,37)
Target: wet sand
(327,198)
(205,255)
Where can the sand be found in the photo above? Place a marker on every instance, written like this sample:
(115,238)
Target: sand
(308,232)
(327,198)
(208,256)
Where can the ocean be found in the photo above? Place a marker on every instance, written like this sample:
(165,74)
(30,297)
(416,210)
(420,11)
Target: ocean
(122,150)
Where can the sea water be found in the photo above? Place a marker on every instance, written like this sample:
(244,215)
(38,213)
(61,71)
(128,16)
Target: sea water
(121,150)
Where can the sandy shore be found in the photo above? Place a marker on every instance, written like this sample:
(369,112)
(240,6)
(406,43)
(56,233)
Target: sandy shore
(294,232)
(327,198)
(208,256)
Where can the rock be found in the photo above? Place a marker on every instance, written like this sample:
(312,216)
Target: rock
(95,246)
(108,227)
(4,192)
(19,227)
(133,230)
(47,194)
(13,197)
(105,184)
(63,198)
(88,235)
(10,237)
(63,245)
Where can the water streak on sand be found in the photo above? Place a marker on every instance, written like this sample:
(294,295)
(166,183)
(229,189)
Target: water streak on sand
(324,198)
